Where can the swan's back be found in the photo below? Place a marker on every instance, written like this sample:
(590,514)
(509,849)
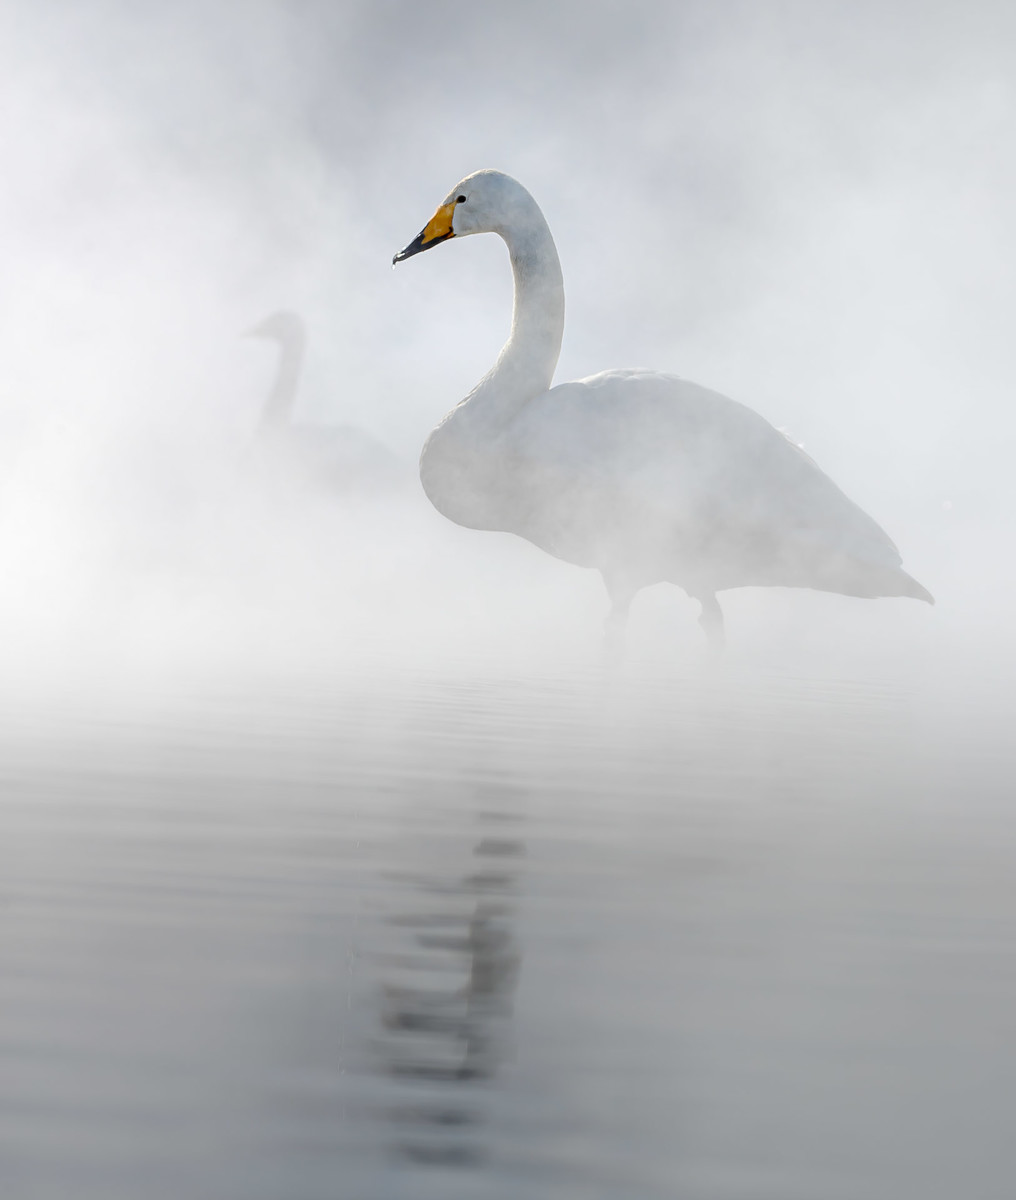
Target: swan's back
(673,481)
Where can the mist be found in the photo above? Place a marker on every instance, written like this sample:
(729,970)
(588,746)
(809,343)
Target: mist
(315,706)
(806,209)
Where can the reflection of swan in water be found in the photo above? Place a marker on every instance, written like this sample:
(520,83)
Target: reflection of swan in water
(337,458)
(642,475)
(446,1024)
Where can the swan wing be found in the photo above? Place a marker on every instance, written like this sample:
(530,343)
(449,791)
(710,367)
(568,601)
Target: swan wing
(340,457)
(673,477)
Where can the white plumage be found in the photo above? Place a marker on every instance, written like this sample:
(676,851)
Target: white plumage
(642,475)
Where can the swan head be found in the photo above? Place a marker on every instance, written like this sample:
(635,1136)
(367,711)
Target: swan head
(284,326)
(484,202)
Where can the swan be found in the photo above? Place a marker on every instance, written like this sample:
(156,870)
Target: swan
(338,458)
(639,474)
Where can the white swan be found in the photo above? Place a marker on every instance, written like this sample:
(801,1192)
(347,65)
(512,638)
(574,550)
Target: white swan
(642,475)
(336,458)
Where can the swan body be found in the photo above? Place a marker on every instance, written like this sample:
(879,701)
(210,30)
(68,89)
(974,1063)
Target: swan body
(335,458)
(639,474)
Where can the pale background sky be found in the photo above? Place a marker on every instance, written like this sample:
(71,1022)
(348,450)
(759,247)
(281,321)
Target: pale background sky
(807,206)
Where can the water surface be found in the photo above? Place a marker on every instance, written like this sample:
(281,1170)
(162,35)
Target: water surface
(492,929)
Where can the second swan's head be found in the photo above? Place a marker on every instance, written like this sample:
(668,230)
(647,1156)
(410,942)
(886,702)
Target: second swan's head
(284,326)
(484,202)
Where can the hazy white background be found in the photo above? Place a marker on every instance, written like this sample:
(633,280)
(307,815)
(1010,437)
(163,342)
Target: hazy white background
(807,206)
(763,907)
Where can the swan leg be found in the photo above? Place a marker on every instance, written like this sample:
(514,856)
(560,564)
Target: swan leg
(711,620)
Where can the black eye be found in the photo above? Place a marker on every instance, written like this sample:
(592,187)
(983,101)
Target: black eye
(460,199)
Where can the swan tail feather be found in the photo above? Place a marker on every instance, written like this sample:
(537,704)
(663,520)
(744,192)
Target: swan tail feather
(910,587)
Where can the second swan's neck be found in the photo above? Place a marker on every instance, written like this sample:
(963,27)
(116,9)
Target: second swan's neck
(278,407)
(466,441)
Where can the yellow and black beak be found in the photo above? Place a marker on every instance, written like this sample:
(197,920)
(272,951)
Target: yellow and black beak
(437,229)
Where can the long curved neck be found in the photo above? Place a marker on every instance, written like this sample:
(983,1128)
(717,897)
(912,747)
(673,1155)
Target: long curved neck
(279,406)
(462,466)
(525,366)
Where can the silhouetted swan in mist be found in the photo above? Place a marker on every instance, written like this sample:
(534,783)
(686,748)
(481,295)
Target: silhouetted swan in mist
(642,475)
(337,458)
